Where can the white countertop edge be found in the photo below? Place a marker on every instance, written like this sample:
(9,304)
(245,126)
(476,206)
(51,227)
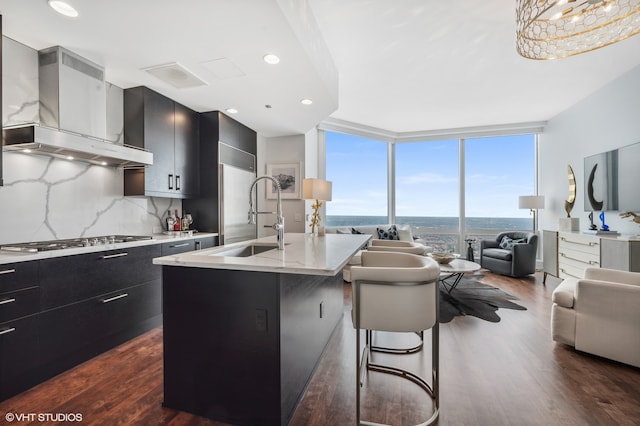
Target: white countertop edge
(11,257)
(303,254)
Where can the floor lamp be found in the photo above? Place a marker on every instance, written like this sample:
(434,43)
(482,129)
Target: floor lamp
(318,190)
(533,203)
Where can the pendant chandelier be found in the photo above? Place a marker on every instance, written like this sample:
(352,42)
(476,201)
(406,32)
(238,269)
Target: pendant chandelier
(551,29)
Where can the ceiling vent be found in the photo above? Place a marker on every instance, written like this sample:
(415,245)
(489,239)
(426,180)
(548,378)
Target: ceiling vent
(176,75)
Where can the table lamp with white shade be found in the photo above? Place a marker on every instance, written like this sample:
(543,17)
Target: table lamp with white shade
(533,203)
(318,190)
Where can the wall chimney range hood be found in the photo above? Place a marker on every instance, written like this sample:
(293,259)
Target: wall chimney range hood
(72,115)
(61,144)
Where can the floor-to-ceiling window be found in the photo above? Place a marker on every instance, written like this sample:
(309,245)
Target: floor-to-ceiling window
(357,167)
(427,191)
(430,176)
(497,171)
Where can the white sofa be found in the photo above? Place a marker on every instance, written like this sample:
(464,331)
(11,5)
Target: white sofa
(404,231)
(599,314)
(407,243)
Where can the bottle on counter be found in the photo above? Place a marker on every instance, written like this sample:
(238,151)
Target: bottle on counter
(177,225)
(171,221)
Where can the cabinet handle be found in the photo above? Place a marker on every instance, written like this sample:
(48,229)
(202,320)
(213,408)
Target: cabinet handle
(587,262)
(7,271)
(589,244)
(112,256)
(7,331)
(111,299)
(177,182)
(7,301)
(170,181)
(179,245)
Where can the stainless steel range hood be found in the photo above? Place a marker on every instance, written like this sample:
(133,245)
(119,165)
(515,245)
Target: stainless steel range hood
(72,112)
(61,144)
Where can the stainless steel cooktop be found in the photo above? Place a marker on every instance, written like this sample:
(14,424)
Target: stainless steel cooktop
(37,246)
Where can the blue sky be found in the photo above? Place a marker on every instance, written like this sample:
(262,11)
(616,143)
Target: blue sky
(498,170)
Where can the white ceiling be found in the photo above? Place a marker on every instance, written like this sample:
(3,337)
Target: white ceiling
(402,66)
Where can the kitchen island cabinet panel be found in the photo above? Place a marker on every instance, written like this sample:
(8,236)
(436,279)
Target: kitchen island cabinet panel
(238,339)
(70,279)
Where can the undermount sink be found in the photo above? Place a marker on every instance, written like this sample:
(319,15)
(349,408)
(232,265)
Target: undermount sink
(245,251)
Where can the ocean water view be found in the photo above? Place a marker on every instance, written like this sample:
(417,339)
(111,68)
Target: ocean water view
(442,233)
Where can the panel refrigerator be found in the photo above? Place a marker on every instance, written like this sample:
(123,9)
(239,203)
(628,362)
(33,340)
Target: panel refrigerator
(237,173)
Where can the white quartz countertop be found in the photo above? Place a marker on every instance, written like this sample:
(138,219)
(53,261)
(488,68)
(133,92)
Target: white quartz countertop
(11,257)
(303,254)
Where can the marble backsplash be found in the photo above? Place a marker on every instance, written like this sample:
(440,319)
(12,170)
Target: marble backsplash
(47,198)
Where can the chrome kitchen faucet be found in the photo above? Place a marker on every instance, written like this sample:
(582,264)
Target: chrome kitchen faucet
(279,225)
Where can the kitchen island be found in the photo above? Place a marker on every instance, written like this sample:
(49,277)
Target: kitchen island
(246,324)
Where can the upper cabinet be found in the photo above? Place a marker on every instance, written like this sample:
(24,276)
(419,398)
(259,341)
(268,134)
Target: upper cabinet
(171,132)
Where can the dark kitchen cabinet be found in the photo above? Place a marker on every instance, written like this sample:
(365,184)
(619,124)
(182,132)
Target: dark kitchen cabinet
(58,312)
(176,247)
(182,246)
(70,279)
(170,131)
(19,341)
(216,128)
(186,151)
(75,333)
(1,134)
(15,276)
(19,355)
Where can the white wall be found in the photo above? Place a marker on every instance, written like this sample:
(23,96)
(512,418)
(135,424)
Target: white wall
(607,119)
(280,150)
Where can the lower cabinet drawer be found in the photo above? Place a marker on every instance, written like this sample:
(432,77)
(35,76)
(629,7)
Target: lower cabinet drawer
(178,247)
(14,276)
(82,328)
(19,303)
(124,309)
(19,355)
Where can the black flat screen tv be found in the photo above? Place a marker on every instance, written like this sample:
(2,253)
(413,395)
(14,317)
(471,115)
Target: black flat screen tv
(612,180)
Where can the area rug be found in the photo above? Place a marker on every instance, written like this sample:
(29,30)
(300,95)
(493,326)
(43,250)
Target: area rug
(471,297)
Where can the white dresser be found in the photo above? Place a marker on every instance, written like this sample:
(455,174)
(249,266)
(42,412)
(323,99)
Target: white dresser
(576,252)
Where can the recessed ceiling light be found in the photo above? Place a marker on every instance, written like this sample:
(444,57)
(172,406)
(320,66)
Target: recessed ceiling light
(232,110)
(306,102)
(69,157)
(104,163)
(26,151)
(63,8)
(271,59)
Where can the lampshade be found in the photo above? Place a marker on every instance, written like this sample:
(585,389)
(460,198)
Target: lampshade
(531,202)
(551,29)
(316,189)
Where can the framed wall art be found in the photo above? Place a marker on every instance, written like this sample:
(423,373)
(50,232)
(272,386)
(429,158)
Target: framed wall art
(288,175)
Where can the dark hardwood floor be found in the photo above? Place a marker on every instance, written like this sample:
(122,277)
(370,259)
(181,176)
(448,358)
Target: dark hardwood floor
(506,373)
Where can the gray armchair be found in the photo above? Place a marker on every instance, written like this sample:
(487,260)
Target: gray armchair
(515,258)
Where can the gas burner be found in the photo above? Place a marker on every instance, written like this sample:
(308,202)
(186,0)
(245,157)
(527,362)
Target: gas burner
(38,246)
